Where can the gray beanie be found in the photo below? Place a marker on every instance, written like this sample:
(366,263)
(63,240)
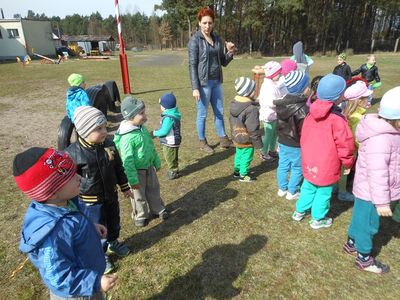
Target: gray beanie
(130,107)
(86,119)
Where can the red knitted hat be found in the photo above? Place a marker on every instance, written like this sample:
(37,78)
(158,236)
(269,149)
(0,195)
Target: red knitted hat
(41,172)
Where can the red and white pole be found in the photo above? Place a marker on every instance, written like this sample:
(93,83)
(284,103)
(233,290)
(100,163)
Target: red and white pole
(122,56)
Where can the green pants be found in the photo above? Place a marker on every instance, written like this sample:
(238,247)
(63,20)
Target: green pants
(315,197)
(269,140)
(171,157)
(364,225)
(243,158)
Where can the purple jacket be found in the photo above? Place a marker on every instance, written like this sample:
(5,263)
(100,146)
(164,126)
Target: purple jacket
(377,177)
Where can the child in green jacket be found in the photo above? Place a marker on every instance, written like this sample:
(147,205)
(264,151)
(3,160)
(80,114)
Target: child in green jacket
(140,161)
(170,133)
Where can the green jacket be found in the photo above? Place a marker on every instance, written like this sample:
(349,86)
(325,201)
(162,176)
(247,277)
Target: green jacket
(136,149)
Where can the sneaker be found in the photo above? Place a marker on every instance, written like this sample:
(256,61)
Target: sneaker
(297,216)
(109,266)
(267,158)
(345,196)
(291,197)
(247,178)
(141,223)
(236,175)
(172,175)
(273,154)
(349,249)
(281,193)
(164,215)
(371,265)
(323,223)
(117,248)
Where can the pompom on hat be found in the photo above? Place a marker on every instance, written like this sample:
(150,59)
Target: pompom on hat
(76,79)
(357,90)
(296,82)
(168,101)
(330,87)
(288,65)
(130,107)
(41,172)
(87,119)
(245,87)
(272,69)
(390,104)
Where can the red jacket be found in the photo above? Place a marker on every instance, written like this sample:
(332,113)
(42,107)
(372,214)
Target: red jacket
(326,144)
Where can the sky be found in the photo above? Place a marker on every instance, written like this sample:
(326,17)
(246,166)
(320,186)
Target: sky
(62,8)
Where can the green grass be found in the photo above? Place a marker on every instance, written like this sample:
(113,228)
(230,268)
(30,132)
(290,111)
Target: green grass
(225,239)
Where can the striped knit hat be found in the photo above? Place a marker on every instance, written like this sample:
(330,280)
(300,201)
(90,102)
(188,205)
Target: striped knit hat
(296,82)
(245,87)
(41,172)
(87,119)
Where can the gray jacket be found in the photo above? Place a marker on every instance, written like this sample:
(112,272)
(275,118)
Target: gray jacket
(198,58)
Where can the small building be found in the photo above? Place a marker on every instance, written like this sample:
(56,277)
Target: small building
(90,43)
(19,36)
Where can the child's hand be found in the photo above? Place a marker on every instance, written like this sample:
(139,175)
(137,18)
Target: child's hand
(128,194)
(152,134)
(108,282)
(346,171)
(135,187)
(101,230)
(384,211)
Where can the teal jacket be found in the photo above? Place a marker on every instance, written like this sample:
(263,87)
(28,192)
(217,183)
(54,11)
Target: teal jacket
(170,130)
(136,149)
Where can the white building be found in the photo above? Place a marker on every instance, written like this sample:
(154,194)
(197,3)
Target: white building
(19,37)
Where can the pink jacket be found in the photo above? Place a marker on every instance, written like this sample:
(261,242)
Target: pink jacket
(326,144)
(377,177)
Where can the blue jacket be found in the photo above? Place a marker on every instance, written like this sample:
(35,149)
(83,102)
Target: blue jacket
(65,247)
(76,96)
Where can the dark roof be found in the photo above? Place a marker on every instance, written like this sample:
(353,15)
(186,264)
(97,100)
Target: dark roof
(86,38)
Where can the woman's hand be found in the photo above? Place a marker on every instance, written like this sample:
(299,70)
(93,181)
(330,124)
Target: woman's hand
(196,95)
(230,47)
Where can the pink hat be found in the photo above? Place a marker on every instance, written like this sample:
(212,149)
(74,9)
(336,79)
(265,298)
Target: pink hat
(288,65)
(357,90)
(272,69)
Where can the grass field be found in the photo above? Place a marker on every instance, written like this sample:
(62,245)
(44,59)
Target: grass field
(225,239)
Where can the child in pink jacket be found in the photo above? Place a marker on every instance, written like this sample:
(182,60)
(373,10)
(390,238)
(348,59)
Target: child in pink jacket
(326,145)
(377,181)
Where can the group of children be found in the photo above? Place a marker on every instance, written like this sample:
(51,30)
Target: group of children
(73,222)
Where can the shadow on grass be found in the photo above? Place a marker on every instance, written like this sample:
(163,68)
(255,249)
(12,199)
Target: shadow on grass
(207,161)
(338,207)
(192,206)
(388,229)
(161,90)
(213,277)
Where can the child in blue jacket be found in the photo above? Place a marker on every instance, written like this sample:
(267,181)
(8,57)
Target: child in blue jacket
(60,241)
(76,95)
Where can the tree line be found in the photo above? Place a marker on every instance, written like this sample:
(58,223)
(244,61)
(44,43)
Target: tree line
(267,26)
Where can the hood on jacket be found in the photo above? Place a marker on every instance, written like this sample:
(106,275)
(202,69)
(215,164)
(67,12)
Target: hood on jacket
(239,105)
(298,53)
(320,109)
(173,112)
(371,125)
(126,127)
(40,220)
(74,89)
(287,107)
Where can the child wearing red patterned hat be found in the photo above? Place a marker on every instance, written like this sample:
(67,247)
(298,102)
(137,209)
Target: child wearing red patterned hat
(55,234)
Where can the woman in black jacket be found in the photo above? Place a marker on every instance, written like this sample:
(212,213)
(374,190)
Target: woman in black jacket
(206,56)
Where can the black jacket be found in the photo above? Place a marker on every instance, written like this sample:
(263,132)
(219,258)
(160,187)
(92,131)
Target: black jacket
(343,70)
(291,111)
(368,74)
(245,123)
(101,169)
(198,58)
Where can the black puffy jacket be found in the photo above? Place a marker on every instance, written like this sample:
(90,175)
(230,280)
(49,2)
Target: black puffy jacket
(343,70)
(101,169)
(291,111)
(370,74)
(198,58)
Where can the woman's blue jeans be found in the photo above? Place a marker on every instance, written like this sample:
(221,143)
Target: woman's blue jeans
(210,94)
